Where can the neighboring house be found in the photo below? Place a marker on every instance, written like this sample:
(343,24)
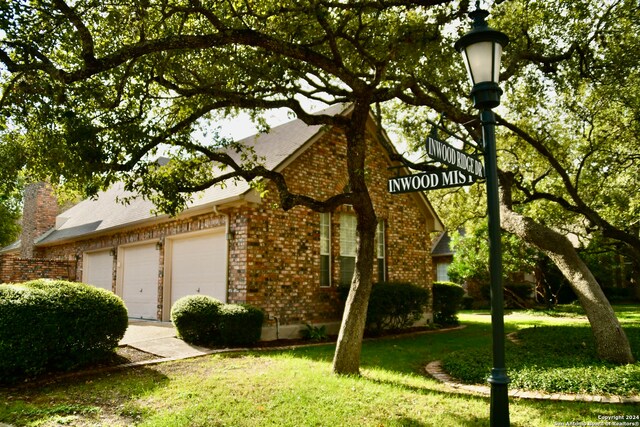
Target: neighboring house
(232,244)
(442,256)
(519,289)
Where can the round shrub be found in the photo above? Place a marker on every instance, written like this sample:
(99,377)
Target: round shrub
(196,319)
(54,325)
(447,299)
(240,324)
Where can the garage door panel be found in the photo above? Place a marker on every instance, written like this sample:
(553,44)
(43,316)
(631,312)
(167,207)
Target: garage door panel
(198,266)
(140,280)
(98,269)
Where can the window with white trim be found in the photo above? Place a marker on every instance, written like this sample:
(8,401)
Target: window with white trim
(325,249)
(348,246)
(442,272)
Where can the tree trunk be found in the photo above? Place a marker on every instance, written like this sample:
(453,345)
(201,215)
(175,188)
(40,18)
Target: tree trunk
(611,342)
(346,360)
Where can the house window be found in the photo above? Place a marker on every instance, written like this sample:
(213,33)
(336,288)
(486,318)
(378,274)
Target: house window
(442,272)
(325,249)
(380,252)
(348,245)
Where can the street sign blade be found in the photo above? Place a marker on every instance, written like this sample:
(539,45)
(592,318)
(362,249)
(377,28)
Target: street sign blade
(455,158)
(443,178)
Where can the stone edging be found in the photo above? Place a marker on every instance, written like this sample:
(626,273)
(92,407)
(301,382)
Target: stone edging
(435,370)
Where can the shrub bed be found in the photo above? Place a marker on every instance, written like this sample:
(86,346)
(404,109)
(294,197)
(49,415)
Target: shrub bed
(553,359)
(393,305)
(447,300)
(203,320)
(55,325)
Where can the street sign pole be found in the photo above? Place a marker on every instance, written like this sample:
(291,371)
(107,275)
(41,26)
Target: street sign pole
(498,379)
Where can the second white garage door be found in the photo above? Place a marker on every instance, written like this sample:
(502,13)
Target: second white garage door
(139,272)
(199,266)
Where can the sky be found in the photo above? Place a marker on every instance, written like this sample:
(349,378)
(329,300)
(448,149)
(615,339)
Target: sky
(242,126)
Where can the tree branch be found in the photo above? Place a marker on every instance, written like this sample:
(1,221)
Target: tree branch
(86,39)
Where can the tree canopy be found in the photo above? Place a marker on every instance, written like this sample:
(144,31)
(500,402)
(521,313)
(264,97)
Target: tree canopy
(110,85)
(569,128)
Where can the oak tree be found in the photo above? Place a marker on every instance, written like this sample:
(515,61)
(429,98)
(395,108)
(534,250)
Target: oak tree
(568,139)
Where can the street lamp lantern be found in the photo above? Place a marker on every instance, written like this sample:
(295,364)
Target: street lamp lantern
(481,50)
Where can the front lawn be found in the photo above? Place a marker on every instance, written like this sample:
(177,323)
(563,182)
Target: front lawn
(287,388)
(553,355)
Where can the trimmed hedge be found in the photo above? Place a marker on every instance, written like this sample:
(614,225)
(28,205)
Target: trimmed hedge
(55,325)
(447,300)
(203,320)
(196,318)
(393,305)
(240,324)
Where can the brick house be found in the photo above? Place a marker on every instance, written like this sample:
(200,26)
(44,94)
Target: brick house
(231,243)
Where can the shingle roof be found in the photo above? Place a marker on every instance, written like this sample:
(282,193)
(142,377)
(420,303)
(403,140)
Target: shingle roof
(104,212)
(442,246)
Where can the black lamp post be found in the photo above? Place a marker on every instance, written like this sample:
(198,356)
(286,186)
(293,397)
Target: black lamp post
(481,49)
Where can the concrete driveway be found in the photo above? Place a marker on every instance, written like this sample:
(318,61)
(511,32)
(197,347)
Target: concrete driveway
(159,338)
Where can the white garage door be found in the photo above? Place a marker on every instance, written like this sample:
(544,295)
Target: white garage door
(199,266)
(98,269)
(140,280)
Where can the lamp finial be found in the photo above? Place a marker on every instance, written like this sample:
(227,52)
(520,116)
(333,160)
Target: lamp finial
(479,17)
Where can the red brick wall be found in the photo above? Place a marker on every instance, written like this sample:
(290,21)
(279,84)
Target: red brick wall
(39,215)
(283,249)
(237,274)
(14,269)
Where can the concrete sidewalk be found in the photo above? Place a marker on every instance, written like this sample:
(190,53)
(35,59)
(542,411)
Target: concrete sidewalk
(159,338)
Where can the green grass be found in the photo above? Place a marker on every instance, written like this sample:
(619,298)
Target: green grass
(287,388)
(554,355)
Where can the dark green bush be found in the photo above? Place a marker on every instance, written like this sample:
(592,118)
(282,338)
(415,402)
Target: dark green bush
(240,324)
(619,295)
(393,305)
(196,319)
(203,320)
(55,325)
(447,299)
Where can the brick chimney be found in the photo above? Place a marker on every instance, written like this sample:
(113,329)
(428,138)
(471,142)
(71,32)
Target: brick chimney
(38,215)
